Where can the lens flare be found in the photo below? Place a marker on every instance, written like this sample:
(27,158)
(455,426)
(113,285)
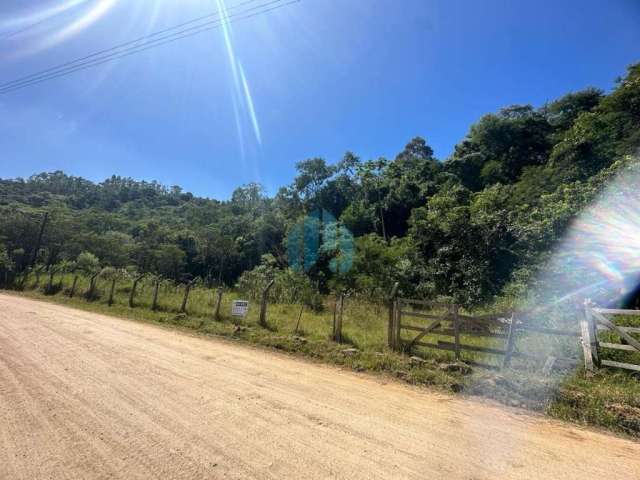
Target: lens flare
(21,23)
(242,98)
(598,260)
(37,30)
(90,16)
(33,30)
(249,99)
(600,256)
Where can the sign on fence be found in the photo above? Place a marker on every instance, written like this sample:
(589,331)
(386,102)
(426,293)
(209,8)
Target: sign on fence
(239,308)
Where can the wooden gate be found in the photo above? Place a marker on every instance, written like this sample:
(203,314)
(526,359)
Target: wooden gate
(446,320)
(596,320)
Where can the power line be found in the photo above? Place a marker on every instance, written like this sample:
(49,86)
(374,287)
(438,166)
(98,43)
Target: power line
(57,13)
(98,58)
(117,51)
(21,30)
(125,44)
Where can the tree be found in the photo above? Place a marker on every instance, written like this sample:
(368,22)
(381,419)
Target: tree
(562,113)
(169,261)
(341,188)
(312,175)
(378,264)
(248,198)
(408,182)
(468,168)
(88,263)
(504,143)
(600,136)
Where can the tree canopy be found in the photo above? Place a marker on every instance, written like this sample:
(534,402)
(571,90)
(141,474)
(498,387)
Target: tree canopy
(469,226)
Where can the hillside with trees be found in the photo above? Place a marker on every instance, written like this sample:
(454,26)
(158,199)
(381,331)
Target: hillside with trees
(473,226)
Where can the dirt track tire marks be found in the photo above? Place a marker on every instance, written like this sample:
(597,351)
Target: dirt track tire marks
(88,396)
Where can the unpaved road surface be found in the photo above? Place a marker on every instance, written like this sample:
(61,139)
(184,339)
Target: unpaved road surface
(88,396)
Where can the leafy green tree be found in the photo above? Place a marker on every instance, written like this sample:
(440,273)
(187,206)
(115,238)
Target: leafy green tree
(504,144)
(312,176)
(600,136)
(409,180)
(468,168)
(377,265)
(169,261)
(562,113)
(248,198)
(88,263)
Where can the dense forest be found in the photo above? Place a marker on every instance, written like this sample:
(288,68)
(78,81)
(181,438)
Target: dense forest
(474,226)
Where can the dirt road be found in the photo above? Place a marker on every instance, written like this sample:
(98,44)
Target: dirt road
(88,396)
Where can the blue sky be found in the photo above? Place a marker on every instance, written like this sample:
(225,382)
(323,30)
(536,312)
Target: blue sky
(316,78)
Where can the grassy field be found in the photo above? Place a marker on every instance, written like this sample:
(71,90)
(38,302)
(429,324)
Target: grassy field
(609,399)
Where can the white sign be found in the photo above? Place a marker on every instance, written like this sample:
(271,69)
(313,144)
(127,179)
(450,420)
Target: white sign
(239,308)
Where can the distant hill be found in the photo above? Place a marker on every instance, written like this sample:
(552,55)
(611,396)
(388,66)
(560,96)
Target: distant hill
(468,226)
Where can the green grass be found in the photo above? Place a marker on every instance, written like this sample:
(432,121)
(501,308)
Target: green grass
(609,399)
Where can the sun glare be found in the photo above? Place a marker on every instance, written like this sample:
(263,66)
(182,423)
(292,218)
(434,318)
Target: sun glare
(36,30)
(242,93)
(33,30)
(600,257)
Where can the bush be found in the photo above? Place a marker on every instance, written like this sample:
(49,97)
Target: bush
(88,263)
(288,287)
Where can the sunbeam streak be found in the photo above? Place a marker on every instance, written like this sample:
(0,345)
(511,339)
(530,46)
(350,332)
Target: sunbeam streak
(40,30)
(23,22)
(240,84)
(249,98)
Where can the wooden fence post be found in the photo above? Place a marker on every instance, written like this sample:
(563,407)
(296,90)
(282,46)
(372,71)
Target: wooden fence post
(183,307)
(593,333)
(154,303)
(263,304)
(111,291)
(73,286)
(586,337)
(299,319)
(25,277)
(337,328)
(49,287)
(132,293)
(335,314)
(216,312)
(510,342)
(397,324)
(456,330)
(92,286)
(48,290)
(391,302)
